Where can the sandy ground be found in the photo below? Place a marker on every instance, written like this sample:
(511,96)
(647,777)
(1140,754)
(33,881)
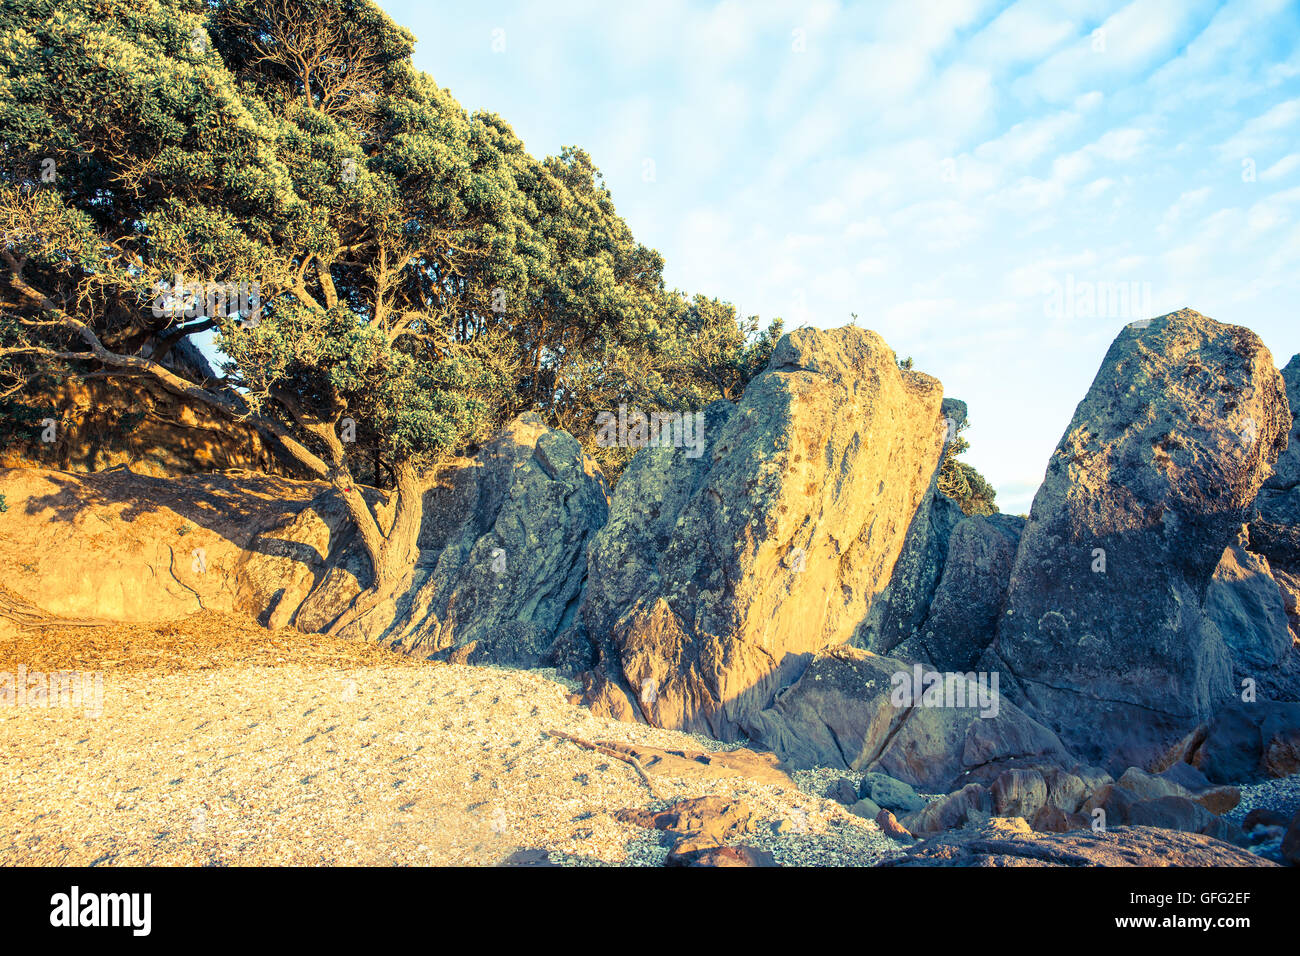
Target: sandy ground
(220,743)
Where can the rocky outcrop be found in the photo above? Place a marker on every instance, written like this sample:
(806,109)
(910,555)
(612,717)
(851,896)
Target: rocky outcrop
(1104,638)
(1003,842)
(843,712)
(117,546)
(899,610)
(775,545)
(963,613)
(502,555)
(1246,605)
(1275,530)
(1244,743)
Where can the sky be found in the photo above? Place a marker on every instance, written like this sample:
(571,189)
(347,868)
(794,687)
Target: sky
(996,188)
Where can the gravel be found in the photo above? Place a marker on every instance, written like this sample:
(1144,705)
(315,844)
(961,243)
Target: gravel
(241,752)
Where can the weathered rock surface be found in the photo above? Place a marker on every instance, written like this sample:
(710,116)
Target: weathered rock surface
(1012,843)
(1244,743)
(502,555)
(118,546)
(1245,603)
(1151,481)
(967,604)
(1275,530)
(842,713)
(775,544)
(901,607)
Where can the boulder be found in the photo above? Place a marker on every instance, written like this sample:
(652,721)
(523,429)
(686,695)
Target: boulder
(774,542)
(1012,843)
(843,712)
(1245,743)
(890,826)
(1291,842)
(1275,528)
(891,794)
(963,614)
(1147,786)
(1245,603)
(1180,813)
(972,804)
(1019,793)
(1103,637)
(865,808)
(901,607)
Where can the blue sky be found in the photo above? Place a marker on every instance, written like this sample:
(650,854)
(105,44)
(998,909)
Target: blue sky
(978,181)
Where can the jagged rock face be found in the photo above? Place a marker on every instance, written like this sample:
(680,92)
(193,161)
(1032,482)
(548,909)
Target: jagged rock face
(844,712)
(777,544)
(900,609)
(967,603)
(1245,603)
(1275,531)
(1153,477)
(502,555)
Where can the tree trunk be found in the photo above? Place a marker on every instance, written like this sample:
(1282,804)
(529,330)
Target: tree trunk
(391,555)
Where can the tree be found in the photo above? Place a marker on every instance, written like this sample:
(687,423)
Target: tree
(961,482)
(388,277)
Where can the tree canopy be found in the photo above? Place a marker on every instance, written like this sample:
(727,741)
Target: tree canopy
(388,277)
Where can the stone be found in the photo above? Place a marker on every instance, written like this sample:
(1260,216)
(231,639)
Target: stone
(842,791)
(1104,638)
(688,854)
(902,606)
(972,804)
(1019,793)
(1245,743)
(865,808)
(1146,786)
(891,794)
(1245,603)
(967,604)
(999,844)
(1264,817)
(1180,813)
(705,820)
(772,544)
(1291,842)
(891,827)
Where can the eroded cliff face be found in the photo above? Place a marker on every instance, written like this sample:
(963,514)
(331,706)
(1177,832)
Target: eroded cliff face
(774,545)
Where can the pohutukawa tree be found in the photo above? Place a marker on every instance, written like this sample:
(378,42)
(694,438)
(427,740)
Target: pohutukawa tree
(419,276)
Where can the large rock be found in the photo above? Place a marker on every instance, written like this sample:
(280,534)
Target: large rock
(503,551)
(963,614)
(1244,743)
(1003,842)
(772,545)
(119,546)
(1104,637)
(1275,530)
(842,712)
(1245,603)
(901,607)
(501,561)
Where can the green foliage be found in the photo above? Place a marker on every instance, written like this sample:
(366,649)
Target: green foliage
(419,272)
(963,483)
